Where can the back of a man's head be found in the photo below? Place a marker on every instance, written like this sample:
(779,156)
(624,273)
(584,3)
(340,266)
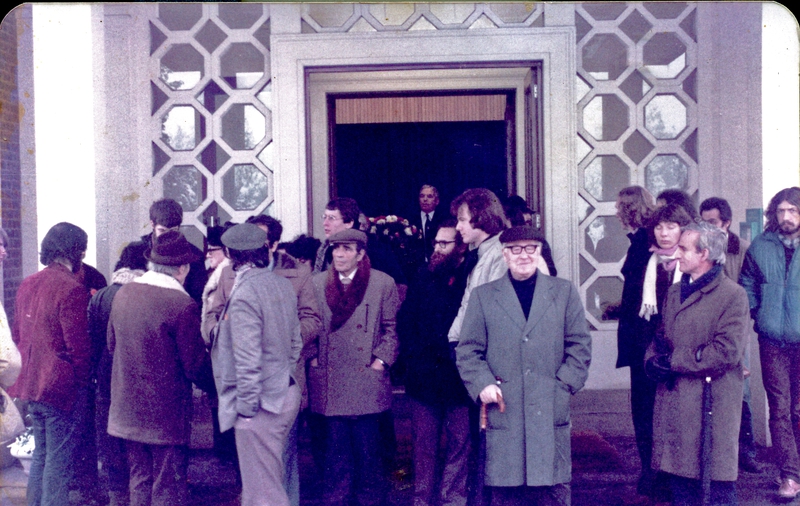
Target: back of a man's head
(273,226)
(66,241)
(347,207)
(167,213)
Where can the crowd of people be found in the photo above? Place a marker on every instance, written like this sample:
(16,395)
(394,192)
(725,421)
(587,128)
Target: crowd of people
(487,341)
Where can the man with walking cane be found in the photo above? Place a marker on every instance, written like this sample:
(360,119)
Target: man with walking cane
(524,343)
(697,360)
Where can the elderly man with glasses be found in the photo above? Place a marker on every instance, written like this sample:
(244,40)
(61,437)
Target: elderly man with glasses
(524,350)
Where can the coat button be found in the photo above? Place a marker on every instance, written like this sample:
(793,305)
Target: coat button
(525,340)
(527,372)
(359,326)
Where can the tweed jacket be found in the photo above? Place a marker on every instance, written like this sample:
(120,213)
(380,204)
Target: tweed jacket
(714,317)
(490,266)
(256,346)
(51,334)
(539,363)
(343,383)
(158,352)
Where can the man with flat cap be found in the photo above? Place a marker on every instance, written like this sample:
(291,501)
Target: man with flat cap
(154,337)
(348,378)
(524,350)
(254,350)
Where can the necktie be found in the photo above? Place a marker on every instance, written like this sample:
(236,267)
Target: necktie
(346,281)
(427,225)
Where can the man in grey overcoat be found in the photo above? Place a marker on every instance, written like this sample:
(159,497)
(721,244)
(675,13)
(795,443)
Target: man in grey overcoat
(525,342)
(704,329)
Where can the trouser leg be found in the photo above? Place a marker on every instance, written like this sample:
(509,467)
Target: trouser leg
(427,422)
(338,473)
(170,484)
(454,474)
(776,369)
(371,484)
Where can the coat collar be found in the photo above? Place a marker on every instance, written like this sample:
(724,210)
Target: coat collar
(691,299)
(542,299)
(160,280)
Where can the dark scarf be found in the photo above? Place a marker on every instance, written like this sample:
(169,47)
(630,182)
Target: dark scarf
(344,301)
(524,290)
(688,288)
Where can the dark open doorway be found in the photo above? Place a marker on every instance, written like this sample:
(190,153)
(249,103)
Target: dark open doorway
(382,163)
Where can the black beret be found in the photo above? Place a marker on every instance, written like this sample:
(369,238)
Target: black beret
(244,237)
(349,235)
(171,248)
(521,233)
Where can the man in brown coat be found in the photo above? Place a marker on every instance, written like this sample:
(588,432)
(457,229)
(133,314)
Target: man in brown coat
(154,336)
(348,379)
(704,328)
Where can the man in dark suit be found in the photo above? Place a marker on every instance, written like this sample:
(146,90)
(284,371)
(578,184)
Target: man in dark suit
(428,219)
(524,350)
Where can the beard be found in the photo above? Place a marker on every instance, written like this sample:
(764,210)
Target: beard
(444,262)
(788,228)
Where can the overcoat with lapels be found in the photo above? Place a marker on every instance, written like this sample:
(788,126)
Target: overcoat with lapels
(540,363)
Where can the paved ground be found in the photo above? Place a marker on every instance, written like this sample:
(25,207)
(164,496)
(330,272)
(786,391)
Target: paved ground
(605,463)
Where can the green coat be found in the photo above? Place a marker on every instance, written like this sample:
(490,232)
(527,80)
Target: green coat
(541,362)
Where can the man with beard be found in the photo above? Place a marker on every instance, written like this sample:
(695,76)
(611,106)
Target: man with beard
(438,398)
(771,277)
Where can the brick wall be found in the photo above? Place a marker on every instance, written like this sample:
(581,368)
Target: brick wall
(10,159)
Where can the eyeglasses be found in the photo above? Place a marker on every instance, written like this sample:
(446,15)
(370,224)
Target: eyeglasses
(211,250)
(529,249)
(442,244)
(328,217)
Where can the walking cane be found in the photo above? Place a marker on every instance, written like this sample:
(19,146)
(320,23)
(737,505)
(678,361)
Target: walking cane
(705,438)
(482,425)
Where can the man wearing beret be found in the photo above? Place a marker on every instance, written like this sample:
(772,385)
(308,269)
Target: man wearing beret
(348,378)
(154,337)
(524,350)
(254,350)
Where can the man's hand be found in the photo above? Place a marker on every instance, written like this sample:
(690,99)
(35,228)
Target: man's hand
(490,394)
(377,364)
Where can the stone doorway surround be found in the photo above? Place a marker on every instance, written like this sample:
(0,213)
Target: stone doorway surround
(300,61)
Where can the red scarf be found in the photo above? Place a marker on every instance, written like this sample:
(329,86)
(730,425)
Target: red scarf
(344,301)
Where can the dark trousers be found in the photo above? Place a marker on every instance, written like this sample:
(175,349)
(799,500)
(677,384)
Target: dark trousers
(353,463)
(643,398)
(158,474)
(688,492)
(780,368)
(110,452)
(448,483)
(58,434)
(556,495)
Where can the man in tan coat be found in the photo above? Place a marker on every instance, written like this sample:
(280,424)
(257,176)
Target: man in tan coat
(704,327)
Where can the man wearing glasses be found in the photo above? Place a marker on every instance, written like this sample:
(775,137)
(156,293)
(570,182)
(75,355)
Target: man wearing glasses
(524,350)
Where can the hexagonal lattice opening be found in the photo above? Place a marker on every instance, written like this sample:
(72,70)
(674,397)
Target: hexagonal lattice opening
(605,56)
(243,126)
(665,10)
(512,12)
(601,293)
(665,55)
(605,117)
(181,67)
(604,11)
(180,16)
(605,239)
(455,13)
(210,36)
(666,172)
(240,15)
(244,187)
(182,127)
(242,65)
(330,15)
(665,117)
(605,176)
(186,185)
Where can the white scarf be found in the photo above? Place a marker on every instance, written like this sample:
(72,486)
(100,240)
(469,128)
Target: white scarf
(649,301)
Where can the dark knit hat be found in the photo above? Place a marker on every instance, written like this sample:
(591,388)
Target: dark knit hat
(244,237)
(214,236)
(349,235)
(521,233)
(171,248)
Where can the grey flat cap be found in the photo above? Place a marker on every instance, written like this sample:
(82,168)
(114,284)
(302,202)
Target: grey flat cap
(521,233)
(244,237)
(349,235)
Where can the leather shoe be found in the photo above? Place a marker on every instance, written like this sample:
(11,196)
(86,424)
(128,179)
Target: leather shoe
(751,465)
(789,489)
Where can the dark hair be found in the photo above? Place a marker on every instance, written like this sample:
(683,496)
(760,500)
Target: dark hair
(790,195)
(258,257)
(681,198)
(515,208)
(636,204)
(451,222)
(304,247)
(167,213)
(64,240)
(484,206)
(672,213)
(347,207)
(274,227)
(721,205)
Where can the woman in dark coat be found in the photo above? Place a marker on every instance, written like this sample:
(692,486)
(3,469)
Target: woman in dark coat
(639,311)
